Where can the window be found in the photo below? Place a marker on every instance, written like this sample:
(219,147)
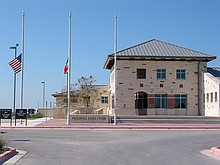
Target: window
(207,97)
(141,73)
(161,101)
(180,74)
(180,101)
(216,97)
(211,97)
(161,73)
(104,99)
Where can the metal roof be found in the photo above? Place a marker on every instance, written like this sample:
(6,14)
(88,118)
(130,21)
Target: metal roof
(158,49)
(214,71)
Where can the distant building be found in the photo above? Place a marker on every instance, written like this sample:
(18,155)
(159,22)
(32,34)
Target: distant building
(212,92)
(158,78)
(96,102)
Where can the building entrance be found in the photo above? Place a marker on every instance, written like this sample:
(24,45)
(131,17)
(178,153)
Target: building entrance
(141,103)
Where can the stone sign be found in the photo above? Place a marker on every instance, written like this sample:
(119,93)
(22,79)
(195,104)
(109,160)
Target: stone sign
(21,113)
(6,113)
(89,118)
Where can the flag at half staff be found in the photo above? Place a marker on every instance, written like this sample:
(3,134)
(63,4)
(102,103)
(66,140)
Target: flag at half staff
(16,64)
(65,70)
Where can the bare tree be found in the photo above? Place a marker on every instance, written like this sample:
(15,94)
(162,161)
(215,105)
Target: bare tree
(86,88)
(72,88)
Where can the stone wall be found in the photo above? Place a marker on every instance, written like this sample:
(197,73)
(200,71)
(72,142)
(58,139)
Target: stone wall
(212,95)
(128,85)
(78,102)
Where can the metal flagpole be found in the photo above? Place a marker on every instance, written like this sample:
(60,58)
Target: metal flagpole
(14,92)
(22,64)
(115,66)
(69,70)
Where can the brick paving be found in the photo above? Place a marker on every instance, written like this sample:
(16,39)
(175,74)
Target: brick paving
(160,124)
(61,123)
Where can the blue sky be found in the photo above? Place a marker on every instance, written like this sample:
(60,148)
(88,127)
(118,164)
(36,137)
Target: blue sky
(191,24)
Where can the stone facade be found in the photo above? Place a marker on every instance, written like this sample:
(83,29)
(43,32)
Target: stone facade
(128,85)
(98,102)
(212,95)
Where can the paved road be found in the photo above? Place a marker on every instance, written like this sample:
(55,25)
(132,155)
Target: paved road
(100,147)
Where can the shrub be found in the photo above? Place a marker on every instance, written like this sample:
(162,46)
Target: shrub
(2,144)
(35,116)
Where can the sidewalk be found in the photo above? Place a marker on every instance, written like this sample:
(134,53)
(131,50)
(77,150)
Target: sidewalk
(61,124)
(30,122)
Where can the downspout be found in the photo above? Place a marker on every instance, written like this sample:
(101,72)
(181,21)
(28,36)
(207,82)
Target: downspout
(199,78)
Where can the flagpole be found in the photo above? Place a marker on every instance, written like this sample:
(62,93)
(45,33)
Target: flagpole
(22,63)
(115,66)
(14,92)
(69,70)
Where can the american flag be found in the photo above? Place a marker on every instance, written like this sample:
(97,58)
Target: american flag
(16,64)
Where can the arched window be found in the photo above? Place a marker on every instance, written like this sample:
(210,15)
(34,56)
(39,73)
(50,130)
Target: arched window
(140,100)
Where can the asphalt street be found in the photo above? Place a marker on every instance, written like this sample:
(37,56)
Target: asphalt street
(107,147)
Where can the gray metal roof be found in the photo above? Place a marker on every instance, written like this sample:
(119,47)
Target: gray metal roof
(215,71)
(158,49)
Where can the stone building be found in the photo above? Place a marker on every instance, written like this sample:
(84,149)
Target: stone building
(96,102)
(212,92)
(158,78)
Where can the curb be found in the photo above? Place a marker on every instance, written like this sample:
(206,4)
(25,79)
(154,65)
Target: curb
(15,158)
(118,127)
(215,150)
(208,153)
(7,155)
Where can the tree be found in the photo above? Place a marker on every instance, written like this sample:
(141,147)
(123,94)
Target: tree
(72,88)
(86,88)
(84,94)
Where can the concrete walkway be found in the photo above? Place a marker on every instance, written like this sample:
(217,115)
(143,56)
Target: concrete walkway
(30,122)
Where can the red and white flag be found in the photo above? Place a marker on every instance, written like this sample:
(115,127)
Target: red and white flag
(65,70)
(16,64)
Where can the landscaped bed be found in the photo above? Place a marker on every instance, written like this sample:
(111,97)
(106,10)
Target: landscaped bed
(5,152)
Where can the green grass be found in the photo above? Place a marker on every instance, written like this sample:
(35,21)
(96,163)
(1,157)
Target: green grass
(35,116)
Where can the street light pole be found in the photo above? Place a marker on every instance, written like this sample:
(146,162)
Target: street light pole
(44,86)
(15,48)
(43,96)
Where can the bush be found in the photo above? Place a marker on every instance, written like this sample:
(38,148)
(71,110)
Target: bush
(35,116)
(2,144)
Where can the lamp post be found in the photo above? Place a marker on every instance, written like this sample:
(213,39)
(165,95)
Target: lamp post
(43,96)
(15,48)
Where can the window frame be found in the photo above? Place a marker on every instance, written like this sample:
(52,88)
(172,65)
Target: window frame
(207,97)
(104,99)
(216,96)
(211,95)
(180,101)
(161,100)
(141,71)
(161,73)
(180,74)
